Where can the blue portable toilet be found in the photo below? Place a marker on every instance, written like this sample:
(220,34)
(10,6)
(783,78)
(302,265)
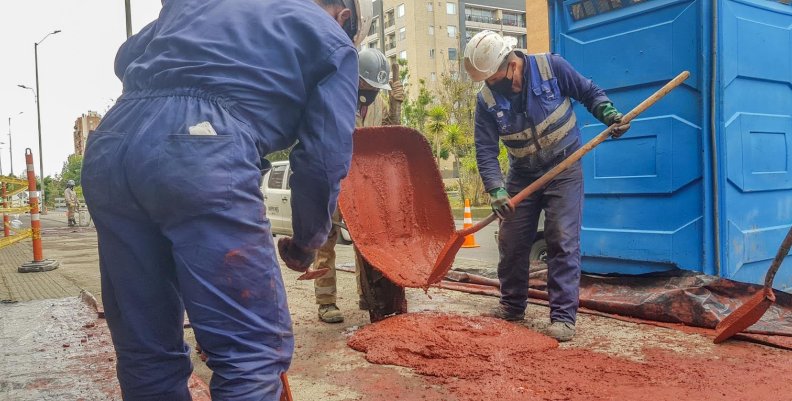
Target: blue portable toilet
(703,181)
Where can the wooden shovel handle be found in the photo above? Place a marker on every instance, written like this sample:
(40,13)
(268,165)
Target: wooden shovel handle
(783,251)
(574,157)
(395,106)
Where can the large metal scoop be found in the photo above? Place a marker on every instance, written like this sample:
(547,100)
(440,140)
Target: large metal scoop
(394,203)
(447,255)
(752,310)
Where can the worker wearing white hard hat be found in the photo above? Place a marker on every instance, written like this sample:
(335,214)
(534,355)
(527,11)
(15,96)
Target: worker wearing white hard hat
(526,104)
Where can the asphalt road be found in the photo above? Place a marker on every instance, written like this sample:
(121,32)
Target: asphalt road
(488,251)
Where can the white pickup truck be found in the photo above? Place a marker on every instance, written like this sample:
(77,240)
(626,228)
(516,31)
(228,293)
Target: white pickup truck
(277,199)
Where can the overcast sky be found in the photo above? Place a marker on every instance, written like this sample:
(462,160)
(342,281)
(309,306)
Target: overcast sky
(75,69)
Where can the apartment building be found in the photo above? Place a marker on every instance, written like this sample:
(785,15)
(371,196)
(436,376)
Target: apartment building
(83,126)
(431,35)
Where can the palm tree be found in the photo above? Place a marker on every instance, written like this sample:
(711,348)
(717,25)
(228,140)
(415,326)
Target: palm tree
(438,119)
(455,140)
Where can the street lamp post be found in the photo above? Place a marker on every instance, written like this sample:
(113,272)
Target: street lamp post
(128,9)
(10,146)
(37,93)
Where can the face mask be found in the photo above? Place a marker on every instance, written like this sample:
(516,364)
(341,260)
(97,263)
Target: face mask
(503,87)
(367,96)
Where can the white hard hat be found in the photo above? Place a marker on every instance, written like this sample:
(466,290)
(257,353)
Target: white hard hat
(484,54)
(374,68)
(363,12)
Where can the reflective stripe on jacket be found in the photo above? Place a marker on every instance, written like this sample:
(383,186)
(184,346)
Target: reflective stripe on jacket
(536,125)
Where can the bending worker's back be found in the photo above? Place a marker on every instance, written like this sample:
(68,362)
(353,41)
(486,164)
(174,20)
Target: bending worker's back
(172,176)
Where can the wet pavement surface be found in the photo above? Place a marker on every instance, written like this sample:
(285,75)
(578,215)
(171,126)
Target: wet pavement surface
(57,349)
(325,368)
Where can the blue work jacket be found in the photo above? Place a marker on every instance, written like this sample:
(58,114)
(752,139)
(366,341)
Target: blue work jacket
(536,125)
(282,72)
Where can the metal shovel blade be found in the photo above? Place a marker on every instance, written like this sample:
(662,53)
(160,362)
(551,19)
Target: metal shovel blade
(744,316)
(312,274)
(394,203)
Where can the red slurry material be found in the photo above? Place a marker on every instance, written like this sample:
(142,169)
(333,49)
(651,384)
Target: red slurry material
(394,205)
(477,359)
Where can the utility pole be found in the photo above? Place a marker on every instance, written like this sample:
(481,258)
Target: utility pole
(128,8)
(38,113)
(11,146)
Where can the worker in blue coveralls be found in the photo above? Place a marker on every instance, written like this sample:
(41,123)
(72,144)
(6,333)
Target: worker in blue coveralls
(210,87)
(525,103)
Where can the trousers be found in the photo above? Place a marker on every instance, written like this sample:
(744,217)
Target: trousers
(181,226)
(562,201)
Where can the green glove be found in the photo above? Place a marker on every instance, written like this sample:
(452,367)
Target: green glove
(609,115)
(499,200)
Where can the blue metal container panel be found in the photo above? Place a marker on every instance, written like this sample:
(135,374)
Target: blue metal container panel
(755,141)
(645,204)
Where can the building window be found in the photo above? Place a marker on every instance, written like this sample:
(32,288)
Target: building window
(402,33)
(390,19)
(374,44)
(433,77)
(429,6)
(482,15)
(374,26)
(431,53)
(400,10)
(512,19)
(390,42)
(452,31)
(403,55)
(451,8)
(431,29)
(452,53)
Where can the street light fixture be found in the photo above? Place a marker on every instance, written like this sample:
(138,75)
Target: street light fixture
(10,145)
(37,93)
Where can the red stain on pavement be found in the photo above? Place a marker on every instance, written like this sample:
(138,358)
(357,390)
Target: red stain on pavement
(477,359)
(394,204)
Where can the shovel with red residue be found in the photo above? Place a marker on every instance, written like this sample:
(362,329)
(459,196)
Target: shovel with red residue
(752,310)
(397,211)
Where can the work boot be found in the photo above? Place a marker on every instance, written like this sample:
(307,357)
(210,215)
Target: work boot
(561,331)
(330,314)
(502,312)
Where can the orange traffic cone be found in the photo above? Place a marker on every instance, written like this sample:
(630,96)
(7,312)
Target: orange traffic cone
(470,240)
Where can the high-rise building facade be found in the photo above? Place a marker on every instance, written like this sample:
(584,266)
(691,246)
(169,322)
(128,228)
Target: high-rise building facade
(83,126)
(431,35)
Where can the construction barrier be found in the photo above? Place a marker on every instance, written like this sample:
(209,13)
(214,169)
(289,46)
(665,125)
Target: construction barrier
(38,264)
(10,187)
(470,240)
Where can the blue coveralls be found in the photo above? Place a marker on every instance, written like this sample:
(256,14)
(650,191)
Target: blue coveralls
(539,129)
(181,219)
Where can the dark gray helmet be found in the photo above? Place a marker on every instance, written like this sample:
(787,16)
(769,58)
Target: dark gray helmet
(374,68)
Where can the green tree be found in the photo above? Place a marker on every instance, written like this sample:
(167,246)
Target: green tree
(415,112)
(436,127)
(72,169)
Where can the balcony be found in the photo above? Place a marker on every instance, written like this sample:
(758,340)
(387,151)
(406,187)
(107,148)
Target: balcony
(390,45)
